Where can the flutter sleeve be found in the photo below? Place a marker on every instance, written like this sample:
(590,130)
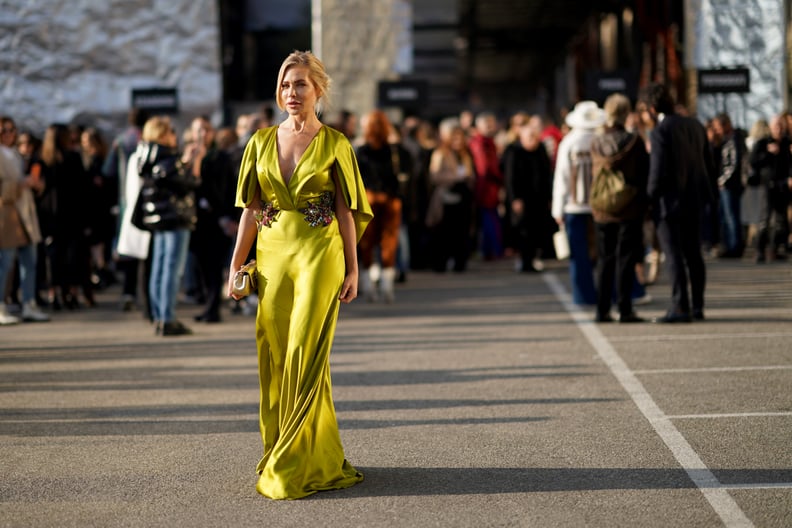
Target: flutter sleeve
(352,185)
(248,176)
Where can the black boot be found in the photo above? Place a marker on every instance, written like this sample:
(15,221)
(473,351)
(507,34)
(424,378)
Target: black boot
(175,328)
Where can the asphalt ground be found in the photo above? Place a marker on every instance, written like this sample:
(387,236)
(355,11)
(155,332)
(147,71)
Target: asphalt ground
(476,399)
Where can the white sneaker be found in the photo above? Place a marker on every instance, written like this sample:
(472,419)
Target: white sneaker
(6,318)
(31,313)
(643,300)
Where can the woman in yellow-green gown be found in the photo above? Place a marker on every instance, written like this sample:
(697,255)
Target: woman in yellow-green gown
(305,206)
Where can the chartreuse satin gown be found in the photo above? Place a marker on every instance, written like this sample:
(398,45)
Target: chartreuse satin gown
(300,264)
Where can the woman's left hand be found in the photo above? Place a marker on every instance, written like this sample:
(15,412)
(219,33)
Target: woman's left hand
(349,289)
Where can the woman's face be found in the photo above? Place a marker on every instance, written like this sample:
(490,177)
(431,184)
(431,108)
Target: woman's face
(529,137)
(202,132)
(8,134)
(25,145)
(85,143)
(457,139)
(297,91)
(171,139)
(776,128)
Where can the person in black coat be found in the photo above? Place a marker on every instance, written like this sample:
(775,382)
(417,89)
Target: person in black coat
(528,177)
(103,198)
(217,217)
(681,184)
(63,215)
(770,162)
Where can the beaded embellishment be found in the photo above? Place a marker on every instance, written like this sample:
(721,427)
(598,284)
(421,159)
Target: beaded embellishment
(266,215)
(319,213)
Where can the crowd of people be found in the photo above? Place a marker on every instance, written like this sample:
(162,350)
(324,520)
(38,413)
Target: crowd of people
(80,213)
(754,181)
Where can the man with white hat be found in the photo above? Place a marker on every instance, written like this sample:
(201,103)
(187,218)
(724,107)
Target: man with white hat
(571,186)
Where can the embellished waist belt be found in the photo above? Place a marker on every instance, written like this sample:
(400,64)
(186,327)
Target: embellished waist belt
(318,212)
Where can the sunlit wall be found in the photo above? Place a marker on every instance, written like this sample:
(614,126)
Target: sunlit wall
(731,33)
(79,60)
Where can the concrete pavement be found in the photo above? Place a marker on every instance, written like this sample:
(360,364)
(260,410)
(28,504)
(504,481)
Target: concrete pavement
(477,399)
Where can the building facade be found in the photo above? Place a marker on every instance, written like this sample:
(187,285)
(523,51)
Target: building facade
(85,61)
(79,62)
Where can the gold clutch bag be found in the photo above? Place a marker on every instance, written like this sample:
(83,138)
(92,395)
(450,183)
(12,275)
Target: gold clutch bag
(245,281)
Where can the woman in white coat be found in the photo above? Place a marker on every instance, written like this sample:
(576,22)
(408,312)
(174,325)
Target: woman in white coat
(133,242)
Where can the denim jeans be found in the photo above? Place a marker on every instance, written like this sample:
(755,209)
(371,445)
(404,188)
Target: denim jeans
(27,269)
(581,269)
(27,256)
(6,261)
(730,219)
(489,223)
(169,255)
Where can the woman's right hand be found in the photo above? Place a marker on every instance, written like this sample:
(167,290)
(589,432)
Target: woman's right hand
(246,237)
(230,285)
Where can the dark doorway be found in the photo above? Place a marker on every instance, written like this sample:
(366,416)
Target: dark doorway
(256,36)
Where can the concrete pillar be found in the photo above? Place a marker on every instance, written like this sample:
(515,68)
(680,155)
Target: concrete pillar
(361,42)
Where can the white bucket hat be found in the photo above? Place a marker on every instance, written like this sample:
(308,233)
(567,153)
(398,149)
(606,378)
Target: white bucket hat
(586,115)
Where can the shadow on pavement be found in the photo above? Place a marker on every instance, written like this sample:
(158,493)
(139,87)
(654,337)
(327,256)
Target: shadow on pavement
(416,481)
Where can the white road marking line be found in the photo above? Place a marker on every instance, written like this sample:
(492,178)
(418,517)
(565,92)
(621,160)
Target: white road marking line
(718,497)
(726,415)
(774,485)
(710,369)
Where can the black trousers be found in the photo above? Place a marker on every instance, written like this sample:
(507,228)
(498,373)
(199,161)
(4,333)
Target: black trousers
(619,248)
(451,238)
(681,242)
(529,236)
(136,279)
(211,254)
(774,220)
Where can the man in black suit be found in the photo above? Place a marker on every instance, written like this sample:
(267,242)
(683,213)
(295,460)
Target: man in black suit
(682,181)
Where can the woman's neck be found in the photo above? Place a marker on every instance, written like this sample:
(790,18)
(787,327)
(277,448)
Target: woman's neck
(302,124)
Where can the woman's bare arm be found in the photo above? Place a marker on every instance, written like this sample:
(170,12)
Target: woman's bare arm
(346,224)
(246,236)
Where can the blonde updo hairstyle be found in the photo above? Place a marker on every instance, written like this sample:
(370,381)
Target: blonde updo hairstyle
(617,108)
(157,129)
(316,73)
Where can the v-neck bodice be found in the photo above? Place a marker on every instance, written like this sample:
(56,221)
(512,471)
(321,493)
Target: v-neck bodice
(304,153)
(328,153)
